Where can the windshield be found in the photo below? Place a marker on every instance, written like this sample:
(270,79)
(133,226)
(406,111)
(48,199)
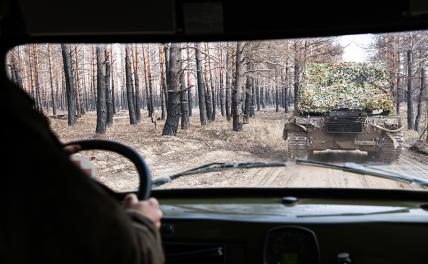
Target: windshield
(357,99)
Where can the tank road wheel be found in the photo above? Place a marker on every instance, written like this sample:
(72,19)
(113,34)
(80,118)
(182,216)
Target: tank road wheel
(297,145)
(390,151)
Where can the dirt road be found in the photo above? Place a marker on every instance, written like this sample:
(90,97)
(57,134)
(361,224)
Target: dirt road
(261,140)
(307,176)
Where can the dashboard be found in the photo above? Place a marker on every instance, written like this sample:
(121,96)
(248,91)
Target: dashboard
(294,229)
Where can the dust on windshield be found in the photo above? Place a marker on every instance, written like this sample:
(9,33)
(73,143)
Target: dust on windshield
(357,98)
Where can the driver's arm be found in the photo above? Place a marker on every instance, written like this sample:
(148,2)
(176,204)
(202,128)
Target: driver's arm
(52,212)
(146,217)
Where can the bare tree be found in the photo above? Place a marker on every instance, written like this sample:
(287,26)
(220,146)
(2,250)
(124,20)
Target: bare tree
(149,89)
(228,85)
(163,91)
(236,91)
(189,83)
(409,83)
(69,86)
(421,71)
(101,91)
(113,92)
(201,89)
(211,88)
(53,103)
(183,100)
(172,76)
(109,96)
(129,89)
(137,86)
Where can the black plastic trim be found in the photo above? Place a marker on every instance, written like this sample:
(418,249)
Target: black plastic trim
(297,192)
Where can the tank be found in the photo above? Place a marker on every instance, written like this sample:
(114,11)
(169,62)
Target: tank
(344,106)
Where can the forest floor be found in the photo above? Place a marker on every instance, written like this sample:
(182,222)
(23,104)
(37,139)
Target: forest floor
(260,140)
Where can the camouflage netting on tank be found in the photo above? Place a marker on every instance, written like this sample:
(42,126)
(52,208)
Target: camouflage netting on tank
(355,86)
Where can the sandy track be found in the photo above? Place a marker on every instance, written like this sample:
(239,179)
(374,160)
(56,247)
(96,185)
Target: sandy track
(261,140)
(306,176)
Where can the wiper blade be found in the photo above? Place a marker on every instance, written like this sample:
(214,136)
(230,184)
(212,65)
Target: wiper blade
(216,166)
(367,170)
(395,211)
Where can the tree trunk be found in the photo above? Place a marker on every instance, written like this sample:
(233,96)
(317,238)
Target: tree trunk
(162,80)
(137,87)
(173,110)
(253,99)
(150,81)
(69,86)
(257,94)
(248,94)
(296,77)
(262,97)
(53,104)
(129,89)
(17,77)
(208,95)
(276,98)
(183,101)
(38,97)
(189,84)
(109,101)
(420,97)
(228,85)
(409,91)
(201,88)
(58,99)
(15,72)
(148,76)
(85,89)
(113,92)
(236,91)
(211,86)
(397,76)
(93,80)
(285,83)
(63,92)
(101,92)
(398,83)
(80,107)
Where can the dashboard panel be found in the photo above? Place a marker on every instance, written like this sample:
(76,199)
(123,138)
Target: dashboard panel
(269,230)
(291,245)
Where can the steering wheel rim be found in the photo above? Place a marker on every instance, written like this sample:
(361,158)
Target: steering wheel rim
(144,174)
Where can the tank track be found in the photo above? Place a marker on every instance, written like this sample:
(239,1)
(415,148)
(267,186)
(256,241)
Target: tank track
(388,153)
(297,145)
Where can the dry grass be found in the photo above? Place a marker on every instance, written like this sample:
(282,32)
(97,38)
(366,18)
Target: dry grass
(411,135)
(261,140)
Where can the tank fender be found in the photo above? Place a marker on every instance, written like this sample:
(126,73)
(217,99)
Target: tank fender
(292,127)
(394,140)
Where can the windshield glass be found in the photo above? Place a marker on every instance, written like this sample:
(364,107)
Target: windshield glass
(356,99)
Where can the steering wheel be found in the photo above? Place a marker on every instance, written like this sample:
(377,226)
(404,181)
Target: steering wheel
(144,174)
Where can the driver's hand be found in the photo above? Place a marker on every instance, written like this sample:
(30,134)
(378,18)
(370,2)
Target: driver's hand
(149,208)
(72,149)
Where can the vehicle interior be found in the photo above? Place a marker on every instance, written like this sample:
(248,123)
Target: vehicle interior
(249,224)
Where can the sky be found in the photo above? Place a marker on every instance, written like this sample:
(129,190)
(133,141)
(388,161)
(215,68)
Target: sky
(356,47)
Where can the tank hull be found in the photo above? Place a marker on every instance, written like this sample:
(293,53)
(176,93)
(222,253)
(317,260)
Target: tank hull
(379,136)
